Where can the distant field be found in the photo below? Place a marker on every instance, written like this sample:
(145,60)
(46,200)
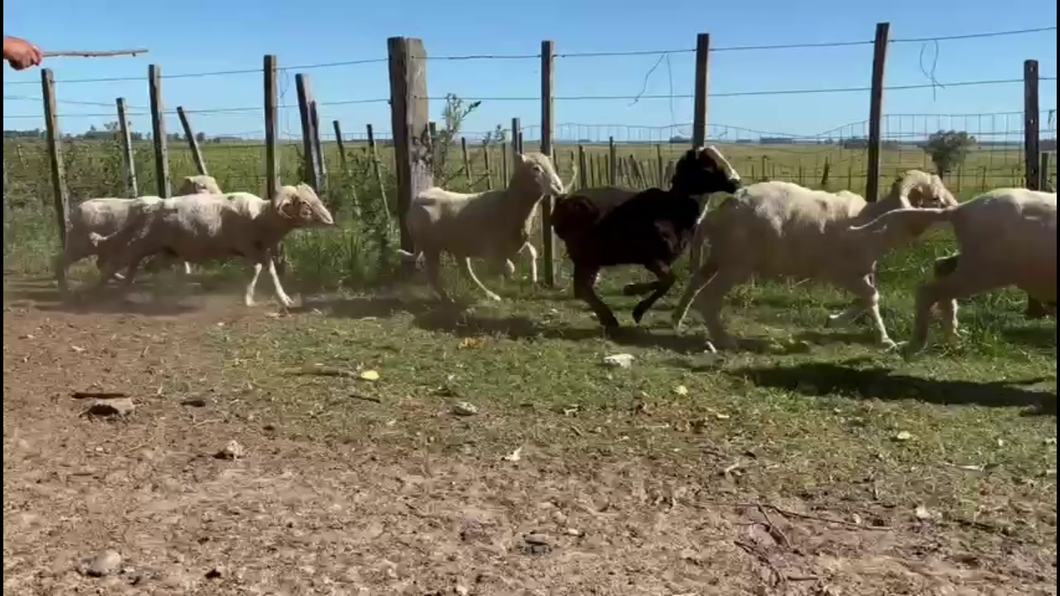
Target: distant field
(94,168)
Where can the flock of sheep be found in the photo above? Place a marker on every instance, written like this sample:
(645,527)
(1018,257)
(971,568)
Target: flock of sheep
(1006,237)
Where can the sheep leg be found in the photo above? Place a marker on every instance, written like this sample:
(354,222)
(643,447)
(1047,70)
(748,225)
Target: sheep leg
(432,262)
(248,296)
(946,290)
(711,300)
(846,316)
(532,252)
(280,294)
(865,291)
(583,289)
(662,286)
(699,278)
(130,272)
(77,248)
(465,268)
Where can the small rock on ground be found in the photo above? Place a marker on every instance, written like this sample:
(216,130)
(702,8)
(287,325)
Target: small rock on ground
(464,409)
(233,450)
(103,564)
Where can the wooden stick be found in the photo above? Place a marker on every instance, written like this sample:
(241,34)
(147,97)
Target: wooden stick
(77,54)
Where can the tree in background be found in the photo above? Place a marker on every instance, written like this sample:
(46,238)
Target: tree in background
(948,149)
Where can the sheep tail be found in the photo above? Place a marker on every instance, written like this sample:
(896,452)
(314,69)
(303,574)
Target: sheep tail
(907,218)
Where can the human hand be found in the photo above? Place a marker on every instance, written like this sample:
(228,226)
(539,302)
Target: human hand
(21,54)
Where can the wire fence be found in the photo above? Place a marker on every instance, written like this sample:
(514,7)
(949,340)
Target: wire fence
(231,137)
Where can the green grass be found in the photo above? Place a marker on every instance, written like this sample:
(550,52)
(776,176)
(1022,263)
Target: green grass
(812,415)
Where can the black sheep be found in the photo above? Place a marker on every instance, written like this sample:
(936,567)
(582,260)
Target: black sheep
(603,227)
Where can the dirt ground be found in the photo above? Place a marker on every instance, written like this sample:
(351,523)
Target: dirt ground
(405,515)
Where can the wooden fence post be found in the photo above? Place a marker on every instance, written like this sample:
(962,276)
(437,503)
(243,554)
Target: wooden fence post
(699,116)
(467,160)
(879,62)
(342,144)
(486,162)
(583,168)
(409,111)
(318,154)
(193,143)
(272,154)
(612,159)
(548,243)
(127,149)
(504,163)
(659,166)
(1046,182)
(305,96)
(158,130)
(377,173)
(55,151)
(515,145)
(1031,132)
(355,208)
(1031,153)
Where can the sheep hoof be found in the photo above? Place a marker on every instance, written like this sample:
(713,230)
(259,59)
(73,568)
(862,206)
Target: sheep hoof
(493,297)
(247,300)
(286,301)
(893,346)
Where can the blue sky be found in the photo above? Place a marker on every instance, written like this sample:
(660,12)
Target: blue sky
(197,36)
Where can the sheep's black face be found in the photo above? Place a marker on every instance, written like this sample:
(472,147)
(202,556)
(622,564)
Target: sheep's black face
(704,171)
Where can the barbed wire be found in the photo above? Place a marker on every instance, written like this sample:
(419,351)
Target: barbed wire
(469,57)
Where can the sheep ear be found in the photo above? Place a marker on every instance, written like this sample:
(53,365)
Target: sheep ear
(719,159)
(522,157)
(281,198)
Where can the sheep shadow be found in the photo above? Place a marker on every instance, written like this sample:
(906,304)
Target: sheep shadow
(836,336)
(521,328)
(380,307)
(111,299)
(878,382)
(1038,336)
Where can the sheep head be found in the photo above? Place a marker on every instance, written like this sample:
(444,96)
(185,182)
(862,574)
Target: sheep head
(301,207)
(704,170)
(538,168)
(919,189)
(193,185)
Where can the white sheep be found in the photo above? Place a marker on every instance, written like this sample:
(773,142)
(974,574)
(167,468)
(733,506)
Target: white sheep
(203,227)
(1007,237)
(494,224)
(104,216)
(779,229)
